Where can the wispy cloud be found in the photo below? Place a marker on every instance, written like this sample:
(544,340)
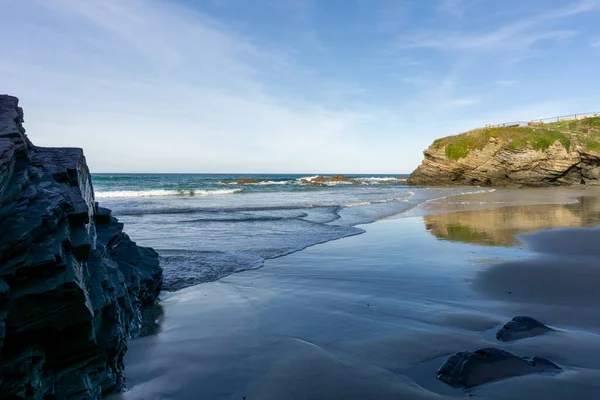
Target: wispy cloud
(293,85)
(595,44)
(517,35)
(462,102)
(202,96)
(504,39)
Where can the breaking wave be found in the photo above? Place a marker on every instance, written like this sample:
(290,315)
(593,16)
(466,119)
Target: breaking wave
(163,192)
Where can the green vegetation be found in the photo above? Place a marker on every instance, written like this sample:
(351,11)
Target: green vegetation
(540,137)
(461,233)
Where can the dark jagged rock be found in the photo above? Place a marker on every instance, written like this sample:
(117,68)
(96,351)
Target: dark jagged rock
(467,369)
(323,180)
(521,328)
(71,282)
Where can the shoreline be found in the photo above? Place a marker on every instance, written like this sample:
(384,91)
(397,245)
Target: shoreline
(377,313)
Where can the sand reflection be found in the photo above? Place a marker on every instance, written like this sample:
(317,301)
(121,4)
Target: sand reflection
(498,226)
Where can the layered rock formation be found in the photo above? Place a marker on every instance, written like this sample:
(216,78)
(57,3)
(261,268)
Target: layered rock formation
(71,282)
(493,157)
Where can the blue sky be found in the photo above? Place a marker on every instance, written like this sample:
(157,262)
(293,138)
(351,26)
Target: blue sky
(331,86)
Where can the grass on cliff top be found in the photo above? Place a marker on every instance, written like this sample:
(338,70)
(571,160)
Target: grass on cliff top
(540,137)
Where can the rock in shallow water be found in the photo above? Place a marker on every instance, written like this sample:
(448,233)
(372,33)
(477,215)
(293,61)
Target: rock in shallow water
(467,369)
(71,282)
(521,328)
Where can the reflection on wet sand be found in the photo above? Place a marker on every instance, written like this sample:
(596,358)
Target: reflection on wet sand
(498,226)
(376,315)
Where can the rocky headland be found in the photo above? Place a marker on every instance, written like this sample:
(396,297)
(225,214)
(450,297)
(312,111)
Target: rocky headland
(560,153)
(72,283)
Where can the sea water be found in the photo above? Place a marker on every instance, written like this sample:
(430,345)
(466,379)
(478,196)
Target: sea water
(205,226)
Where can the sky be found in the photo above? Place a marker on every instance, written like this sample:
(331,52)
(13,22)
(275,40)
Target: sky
(289,86)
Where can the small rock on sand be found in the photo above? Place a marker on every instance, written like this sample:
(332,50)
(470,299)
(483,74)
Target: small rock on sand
(520,328)
(467,369)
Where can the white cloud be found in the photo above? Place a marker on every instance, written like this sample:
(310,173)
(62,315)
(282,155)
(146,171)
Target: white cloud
(518,35)
(147,86)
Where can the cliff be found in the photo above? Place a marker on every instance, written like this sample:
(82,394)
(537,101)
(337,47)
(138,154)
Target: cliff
(561,153)
(71,281)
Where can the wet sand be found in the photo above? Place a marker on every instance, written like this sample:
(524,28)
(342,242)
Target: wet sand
(375,315)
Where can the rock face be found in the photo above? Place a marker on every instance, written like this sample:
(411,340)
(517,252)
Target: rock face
(499,164)
(467,369)
(521,328)
(71,282)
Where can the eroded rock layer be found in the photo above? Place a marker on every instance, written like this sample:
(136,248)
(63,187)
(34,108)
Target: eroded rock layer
(499,164)
(71,281)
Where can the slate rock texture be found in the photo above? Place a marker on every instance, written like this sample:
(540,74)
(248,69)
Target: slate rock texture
(72,283)
(467,369)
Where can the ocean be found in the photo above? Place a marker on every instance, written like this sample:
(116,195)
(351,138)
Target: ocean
(205,226)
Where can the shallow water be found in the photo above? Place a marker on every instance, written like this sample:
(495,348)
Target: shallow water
(374,316)
(227,228)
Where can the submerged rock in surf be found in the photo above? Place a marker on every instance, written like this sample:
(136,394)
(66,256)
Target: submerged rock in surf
(520,328)
(322,180)
(467,369)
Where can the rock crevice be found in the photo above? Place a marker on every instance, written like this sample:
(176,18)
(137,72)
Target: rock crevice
(71,281)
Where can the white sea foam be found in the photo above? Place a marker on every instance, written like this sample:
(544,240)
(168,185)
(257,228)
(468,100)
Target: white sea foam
(162,192)
(365,181)
(481,191)
(336,183)
(307,178)
(272,183)
(381,179)
(261,183)
(358,204)
(405,198)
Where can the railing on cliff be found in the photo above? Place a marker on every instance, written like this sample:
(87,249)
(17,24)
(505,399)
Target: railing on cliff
(543,121)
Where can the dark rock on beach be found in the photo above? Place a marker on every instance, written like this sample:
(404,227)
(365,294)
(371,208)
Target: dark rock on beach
(72,283)
(467,369)
(521,328)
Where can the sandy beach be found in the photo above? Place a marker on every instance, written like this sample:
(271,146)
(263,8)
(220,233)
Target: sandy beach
(376,315)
